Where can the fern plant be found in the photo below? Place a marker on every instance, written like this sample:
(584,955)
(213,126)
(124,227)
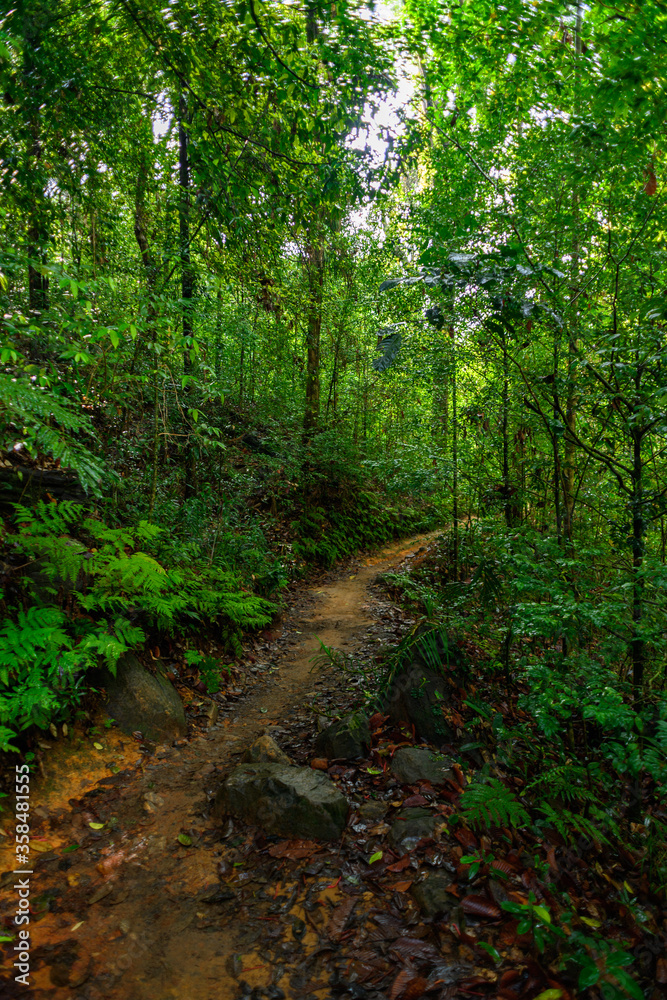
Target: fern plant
(48,424)
(43,662)
(489,803)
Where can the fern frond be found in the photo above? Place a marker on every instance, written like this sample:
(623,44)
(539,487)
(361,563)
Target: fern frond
(570,824)
(492,804)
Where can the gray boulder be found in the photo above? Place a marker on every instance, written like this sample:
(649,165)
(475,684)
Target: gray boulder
(347,739)
(409,827)
(265,750)
(413,764)
(139,701)
(284,800)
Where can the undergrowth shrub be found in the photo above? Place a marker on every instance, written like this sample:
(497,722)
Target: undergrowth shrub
(89,599)
(351,519)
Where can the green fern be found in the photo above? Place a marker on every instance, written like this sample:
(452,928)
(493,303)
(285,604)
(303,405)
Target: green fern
(50,424)
(570,824)
(564,782)
(492,804)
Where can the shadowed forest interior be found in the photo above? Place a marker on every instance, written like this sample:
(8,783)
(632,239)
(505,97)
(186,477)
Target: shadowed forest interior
(282,283)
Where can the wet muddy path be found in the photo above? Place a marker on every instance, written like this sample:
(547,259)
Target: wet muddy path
(128,912)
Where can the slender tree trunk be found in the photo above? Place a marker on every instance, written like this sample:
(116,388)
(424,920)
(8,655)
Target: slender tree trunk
(556,445)
(187,277)
(509,507)
(569,462)
(35,22)
(638,644)
(315,265)
(455,463)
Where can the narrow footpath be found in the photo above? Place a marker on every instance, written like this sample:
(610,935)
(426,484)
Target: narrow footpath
(131,912)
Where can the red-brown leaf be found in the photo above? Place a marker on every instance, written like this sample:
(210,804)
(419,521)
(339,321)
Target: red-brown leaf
(416,989)
(480,906)
(510,985)
(408,986)
(399,866)
(502,866)
(467,839)
(473,984)
(415,800)
(456,768)
(294,849)
(340,918)
(415,949)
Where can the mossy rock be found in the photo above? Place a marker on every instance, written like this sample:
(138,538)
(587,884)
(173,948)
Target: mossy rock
(346,739)
(142,702)
(283,800)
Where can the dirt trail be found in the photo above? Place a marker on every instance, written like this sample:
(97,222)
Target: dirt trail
(133,915)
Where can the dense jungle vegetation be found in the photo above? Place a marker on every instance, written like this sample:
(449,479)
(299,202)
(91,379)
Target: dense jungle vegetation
(247,330)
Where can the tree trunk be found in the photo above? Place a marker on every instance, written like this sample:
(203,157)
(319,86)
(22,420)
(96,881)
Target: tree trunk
(569,458)
(315,259)
(187,278)
(455,463)
(35,22)
(638,645)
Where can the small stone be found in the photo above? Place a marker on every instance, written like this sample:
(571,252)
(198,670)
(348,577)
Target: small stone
(373,810)
(414,764)
(265,750)
(319,764)
(409,827)
(153,799)
(432,896)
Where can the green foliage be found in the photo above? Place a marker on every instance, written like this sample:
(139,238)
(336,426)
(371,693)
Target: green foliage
(49,424)
(363,520)
(575,687)
(118,590)
(42,666)
(210,669)
(490,803)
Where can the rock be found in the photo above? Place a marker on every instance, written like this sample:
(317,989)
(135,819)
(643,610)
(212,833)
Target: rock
(140,701)
(373,809)
(347,739)
(420,689)
(288,801)
(414,764)
(409,826)
(415,699)
(432,897)
(265,750)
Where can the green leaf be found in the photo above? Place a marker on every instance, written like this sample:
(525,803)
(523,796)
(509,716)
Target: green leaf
(375,857)
(588,976)
(389,344)
(496,956)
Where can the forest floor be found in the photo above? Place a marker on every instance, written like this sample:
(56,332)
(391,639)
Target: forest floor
(126,911)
